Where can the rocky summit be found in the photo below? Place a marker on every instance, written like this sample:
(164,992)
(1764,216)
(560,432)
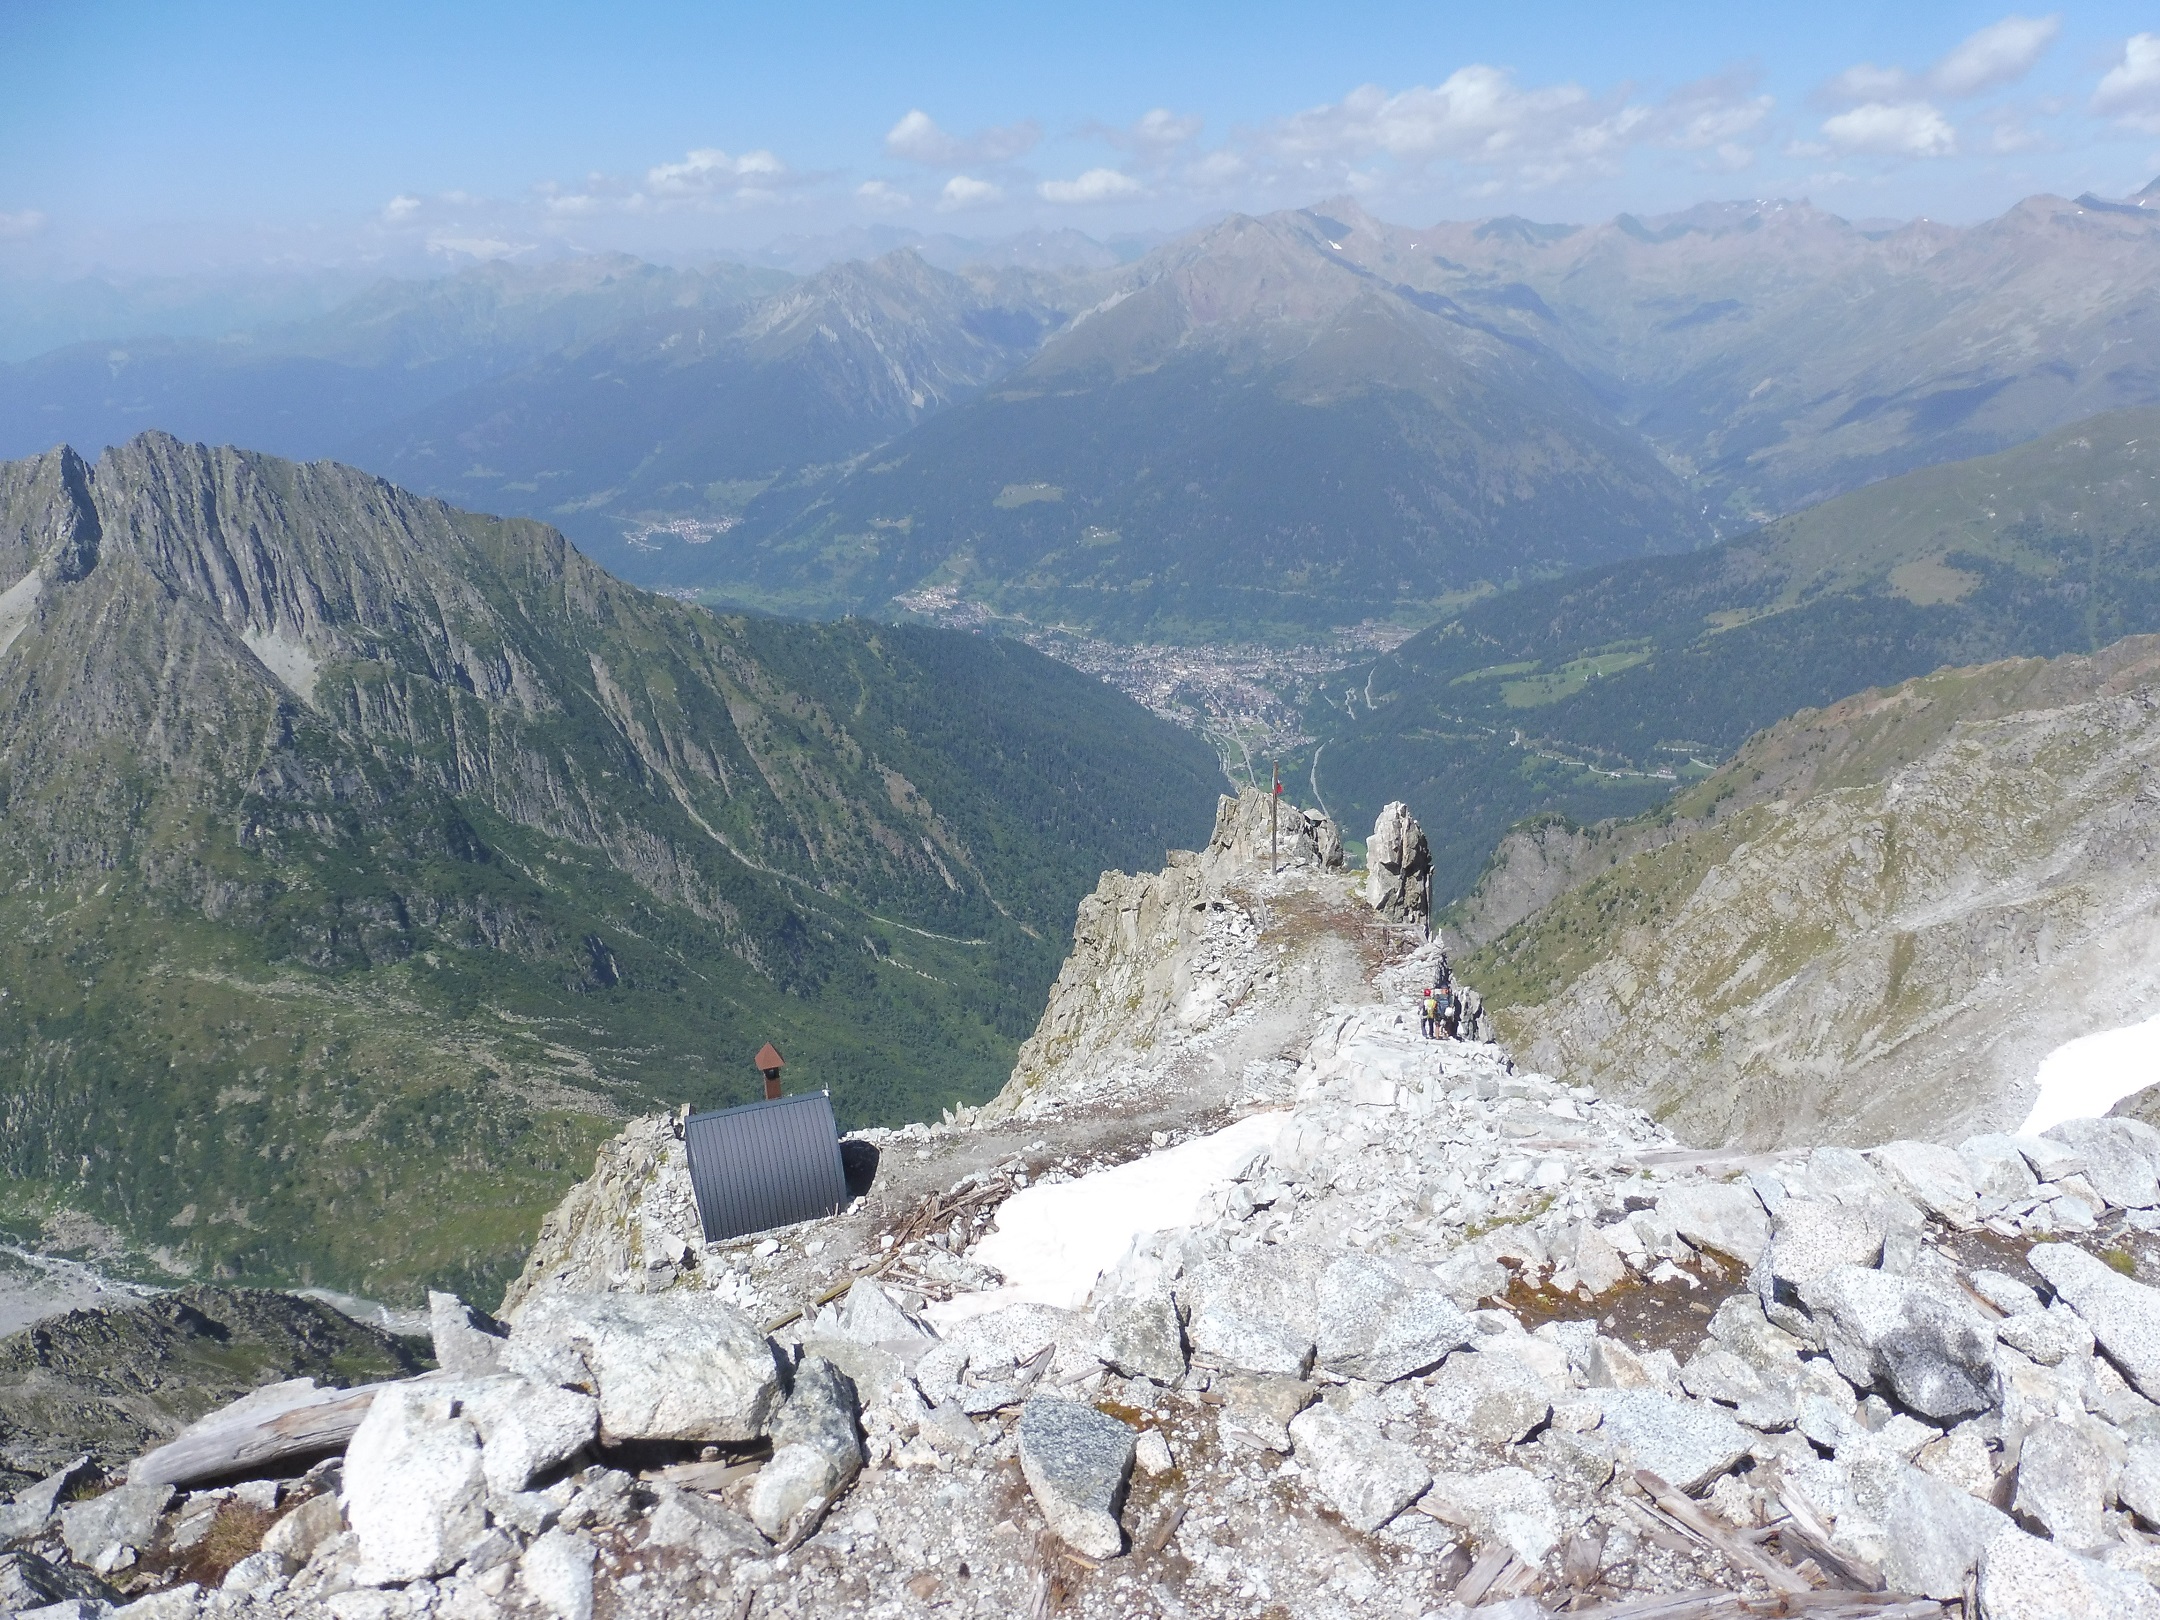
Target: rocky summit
(1246,1298)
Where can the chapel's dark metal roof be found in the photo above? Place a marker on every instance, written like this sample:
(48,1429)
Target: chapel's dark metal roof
(765,1164)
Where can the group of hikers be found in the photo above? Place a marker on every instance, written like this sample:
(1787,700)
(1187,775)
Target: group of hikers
(1440,1009)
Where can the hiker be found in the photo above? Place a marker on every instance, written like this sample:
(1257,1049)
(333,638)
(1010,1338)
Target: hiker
(1448,1012)
(1428,1011)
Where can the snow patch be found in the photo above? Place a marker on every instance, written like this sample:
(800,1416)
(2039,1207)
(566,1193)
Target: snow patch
(287,657)
(2084,1078)
(17,603)
(1051,1243)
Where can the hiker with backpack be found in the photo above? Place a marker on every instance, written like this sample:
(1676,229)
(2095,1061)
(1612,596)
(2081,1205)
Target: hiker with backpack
(1447,1012)
(1428,1011)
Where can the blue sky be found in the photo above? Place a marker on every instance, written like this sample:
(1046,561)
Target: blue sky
(185,136)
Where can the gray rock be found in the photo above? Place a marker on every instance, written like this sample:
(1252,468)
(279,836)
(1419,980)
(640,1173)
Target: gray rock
(1362,1474)
(681,1365)
(1765,1398)
(181,1602)
(1932,1176)
(2138,1489)
(1728,1219)
(526,1429)
(1381,1322)
(1844,1177)
(2120,1158)
(2066,1475)
(2025,1578)
(34,1505)
(465,1342)
(1808,1239)
(259,1574)
(1135,1314)
(1511,1506)
(1397,860)
(1261,1406)
(28,1581)
(1490,1397)
(2051,1337)
(2123,1315)
(1153,1454)
(1685,1443)
(124,1517)
(1078,1462)
(699,1524)
(414,1489)
(1998,1170)
(817,1439)
(1254,1312)
(1930,1349)
(2005,1293)
(1937,1534)
(557,1572)
(979,1363)
(307,1527)
(2051,1160)
(869,1315)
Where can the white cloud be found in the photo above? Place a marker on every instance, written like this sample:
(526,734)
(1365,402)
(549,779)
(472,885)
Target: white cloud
(2130,90)
(1864,81)
(884,197)
(962,191)
(1999,54)
(400,208)
(918,139)
(708,169)
(1097,185)
(1893,129)
(23,225)
(1714,112)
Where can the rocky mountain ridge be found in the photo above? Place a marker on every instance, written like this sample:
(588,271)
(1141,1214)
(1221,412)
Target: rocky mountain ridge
(1447,1338)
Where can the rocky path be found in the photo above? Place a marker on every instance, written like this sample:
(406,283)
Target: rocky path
(1449,1339)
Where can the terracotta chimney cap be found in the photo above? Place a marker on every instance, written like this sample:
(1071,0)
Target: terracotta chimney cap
(768,1057)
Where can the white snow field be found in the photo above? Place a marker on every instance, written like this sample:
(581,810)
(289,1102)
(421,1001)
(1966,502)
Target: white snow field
(2084,1078)
(1051,1242)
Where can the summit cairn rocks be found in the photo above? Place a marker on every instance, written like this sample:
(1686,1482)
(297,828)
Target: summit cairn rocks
(1078,1462)
(677,1366)
(1397,860)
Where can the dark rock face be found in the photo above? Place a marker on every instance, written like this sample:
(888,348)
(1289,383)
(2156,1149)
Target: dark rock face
(112,1383)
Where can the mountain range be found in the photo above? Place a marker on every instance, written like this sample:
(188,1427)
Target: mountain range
(366,854)
(1270,426)
(1604,692)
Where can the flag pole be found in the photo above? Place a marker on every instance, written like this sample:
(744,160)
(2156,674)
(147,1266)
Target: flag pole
(1274,865)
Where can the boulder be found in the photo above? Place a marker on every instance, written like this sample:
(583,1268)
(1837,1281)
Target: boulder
(2051,1337)
(2138,1488)
(869,1315)
(1728,1219)
(2025,1578)
(34,1506)
(2005,1292)
(1511,1506)
(465,1342)
(979,1364)
(2123,1315)
(1078,1462)
(1360,1472)
(1938,1533)
(817,1440)
(1844,1177)
(674,1366)
(1380,1321)
(1998,1170)
(1254,1312)
(1134,1312)
(557,1573)
(1261,1406)
(701,1525)
(1685,1443)
(296,1537)
(414,1487)
(1490,1397)
(1933,1351)
(1808,1239)
(526,1429)
(1397,860)
(30,1582)
(2066,1475)
(123,1517)
(2122,1158)
(1932,1176)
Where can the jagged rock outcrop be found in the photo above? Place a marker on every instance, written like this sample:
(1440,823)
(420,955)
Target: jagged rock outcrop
(1876,921)
(1397,863)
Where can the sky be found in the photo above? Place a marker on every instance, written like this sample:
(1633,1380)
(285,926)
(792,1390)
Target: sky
(213,135)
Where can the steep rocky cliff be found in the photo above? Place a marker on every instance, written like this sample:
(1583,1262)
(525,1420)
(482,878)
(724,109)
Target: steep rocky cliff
(1875,921)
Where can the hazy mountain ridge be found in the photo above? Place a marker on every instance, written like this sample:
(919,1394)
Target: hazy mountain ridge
(1571,696)
(405,845)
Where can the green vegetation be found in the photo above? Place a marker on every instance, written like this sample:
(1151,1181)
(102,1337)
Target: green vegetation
(345,991)
(1605,692)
